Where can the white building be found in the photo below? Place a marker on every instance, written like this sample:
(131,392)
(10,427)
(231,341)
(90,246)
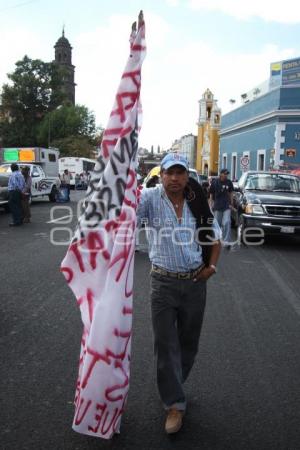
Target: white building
(187,148)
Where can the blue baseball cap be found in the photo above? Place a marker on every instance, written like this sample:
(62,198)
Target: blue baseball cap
(173,159)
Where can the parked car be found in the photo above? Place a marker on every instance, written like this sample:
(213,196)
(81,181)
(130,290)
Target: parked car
(4,191)
(194,174)
(202,178)
(269,201)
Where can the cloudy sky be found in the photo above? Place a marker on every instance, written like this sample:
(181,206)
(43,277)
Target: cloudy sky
(226,45)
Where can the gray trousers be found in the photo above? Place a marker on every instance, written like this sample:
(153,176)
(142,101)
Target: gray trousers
(177,315)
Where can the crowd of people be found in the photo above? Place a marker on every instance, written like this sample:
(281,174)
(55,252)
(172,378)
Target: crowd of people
(179,272)
(19,191)
(81,182)
(220,192)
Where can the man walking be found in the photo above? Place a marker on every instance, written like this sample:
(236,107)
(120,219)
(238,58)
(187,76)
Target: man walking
(16,185)
(66,181)
(221,202)
(178,279)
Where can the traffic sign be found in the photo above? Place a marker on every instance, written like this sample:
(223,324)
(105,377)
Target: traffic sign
(244,162)
(290,152)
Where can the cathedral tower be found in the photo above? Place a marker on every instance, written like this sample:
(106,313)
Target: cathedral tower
(63,57)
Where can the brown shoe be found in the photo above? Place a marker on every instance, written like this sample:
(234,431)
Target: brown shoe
(174,421)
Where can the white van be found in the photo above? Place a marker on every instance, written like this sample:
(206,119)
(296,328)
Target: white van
(75,165)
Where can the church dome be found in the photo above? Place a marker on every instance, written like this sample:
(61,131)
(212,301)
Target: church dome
(63,41)
(208,95)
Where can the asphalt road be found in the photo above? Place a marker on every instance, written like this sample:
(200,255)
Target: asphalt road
(244,390)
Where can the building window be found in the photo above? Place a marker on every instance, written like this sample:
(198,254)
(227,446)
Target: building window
(261,160)
(224,163)
(52,157)
(233,167)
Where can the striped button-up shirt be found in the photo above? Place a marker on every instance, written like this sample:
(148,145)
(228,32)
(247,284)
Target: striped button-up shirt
(172,244)
(16,181)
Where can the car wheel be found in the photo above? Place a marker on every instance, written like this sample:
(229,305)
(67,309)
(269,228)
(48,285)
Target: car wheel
(52,195)
(241,234)
(6,208)
(234,219)
(240,229)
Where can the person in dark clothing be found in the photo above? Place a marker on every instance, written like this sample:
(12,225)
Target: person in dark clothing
(26,194)
(221,202)
(16,185)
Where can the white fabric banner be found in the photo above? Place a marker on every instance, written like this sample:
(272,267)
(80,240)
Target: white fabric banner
(98,265)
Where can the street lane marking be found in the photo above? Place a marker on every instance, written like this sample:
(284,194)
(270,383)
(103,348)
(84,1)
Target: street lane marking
(59,219)
(287,293)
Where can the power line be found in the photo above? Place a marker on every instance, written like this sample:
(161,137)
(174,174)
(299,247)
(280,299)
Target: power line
(18,5)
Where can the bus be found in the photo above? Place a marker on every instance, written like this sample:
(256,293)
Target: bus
(76,165)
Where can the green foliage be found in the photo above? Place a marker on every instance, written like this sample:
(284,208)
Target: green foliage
(66,121)
(35,111)
(75,146)
(35,88)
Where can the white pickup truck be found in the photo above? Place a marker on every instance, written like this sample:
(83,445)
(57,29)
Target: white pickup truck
(43,165)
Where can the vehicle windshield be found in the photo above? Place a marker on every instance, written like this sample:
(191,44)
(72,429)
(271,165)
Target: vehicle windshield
(273,182)
(5,168)
(193,174)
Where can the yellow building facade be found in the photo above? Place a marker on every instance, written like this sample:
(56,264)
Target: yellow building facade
(209,122)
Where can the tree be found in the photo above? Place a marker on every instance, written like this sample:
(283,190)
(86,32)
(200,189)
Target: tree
(65,122)
(35,89)
(75,146)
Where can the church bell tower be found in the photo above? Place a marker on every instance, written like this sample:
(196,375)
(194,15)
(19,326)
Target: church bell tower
(63,58)
(209,123)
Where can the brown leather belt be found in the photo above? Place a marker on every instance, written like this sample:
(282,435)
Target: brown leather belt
(179,275)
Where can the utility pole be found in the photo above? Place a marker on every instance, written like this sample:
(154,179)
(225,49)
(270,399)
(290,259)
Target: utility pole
(49,131)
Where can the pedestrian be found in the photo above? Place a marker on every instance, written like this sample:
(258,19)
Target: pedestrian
(221,202)
(66,181)
(26,194)
(173,212)
(77,180)
(16,185)
(84,180)
(58,182)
